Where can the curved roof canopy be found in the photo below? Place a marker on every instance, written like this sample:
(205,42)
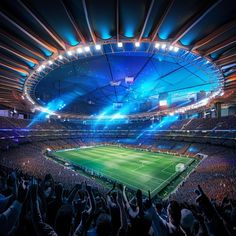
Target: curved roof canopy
(134,77)
(35,31)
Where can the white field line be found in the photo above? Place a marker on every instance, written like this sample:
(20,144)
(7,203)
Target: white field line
(186,177)
(128,184)
(170,177)
(162,183)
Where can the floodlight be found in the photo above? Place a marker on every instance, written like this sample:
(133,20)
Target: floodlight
(60,57)
(157,45)
(163,46)
(98,47)
(176,49)
(120,45)
(137,44)
(171,48)
(50,62)
(69,53)
(79,50)
(87,49)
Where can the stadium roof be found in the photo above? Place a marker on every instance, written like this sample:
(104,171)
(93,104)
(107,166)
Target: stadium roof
(34,31)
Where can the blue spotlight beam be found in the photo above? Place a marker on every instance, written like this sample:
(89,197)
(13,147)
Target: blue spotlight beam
(138,92)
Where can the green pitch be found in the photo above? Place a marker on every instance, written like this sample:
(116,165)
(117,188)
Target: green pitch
(134,168)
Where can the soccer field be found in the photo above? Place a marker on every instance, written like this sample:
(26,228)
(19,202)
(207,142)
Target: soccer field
(134,168)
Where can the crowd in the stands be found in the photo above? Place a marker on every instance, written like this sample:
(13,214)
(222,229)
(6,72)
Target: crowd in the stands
(31,206)
(217,173)
(38,196)
(215,131)
(30,159)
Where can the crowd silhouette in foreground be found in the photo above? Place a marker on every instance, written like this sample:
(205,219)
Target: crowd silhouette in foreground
(30,206)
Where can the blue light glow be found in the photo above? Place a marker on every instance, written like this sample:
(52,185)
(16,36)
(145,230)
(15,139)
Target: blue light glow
(69,36)
(53,106)
(46,52)
(129,32)
(165,71)
(105,33)
(31,64)
(164,124)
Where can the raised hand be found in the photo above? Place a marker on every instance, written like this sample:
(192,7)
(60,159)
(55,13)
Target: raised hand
(34,189)
(124,188)
(88,187)
(84,217)
(201,196)
(119,197)
(139,194)
(22,192)
(204,203)
(120,187)
(149,201)
(13,182)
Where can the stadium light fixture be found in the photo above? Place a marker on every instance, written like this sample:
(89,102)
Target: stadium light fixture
(69,53)
(87,49)
(163,46)
(40,68)
(98,47)
(120,44)
(157,45)
(79,50)
(176,49)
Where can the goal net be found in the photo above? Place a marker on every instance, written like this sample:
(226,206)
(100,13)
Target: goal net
(180,167)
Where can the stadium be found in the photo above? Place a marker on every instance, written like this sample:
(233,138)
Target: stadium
(117,117)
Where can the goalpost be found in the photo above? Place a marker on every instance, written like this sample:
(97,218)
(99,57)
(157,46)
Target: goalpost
(180,167)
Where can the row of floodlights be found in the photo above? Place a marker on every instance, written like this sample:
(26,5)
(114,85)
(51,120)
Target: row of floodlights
(157,46)
(164,46)
(98,47)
